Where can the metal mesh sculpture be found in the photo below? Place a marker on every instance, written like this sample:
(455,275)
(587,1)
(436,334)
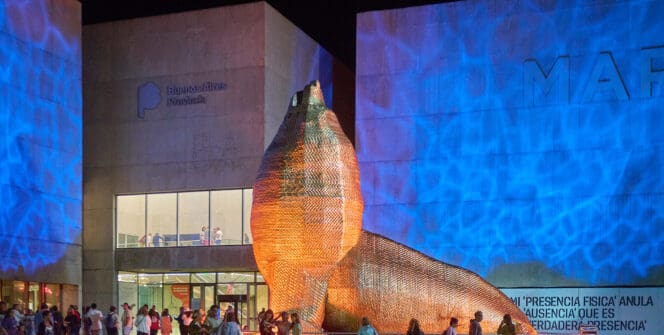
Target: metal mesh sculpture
(306,223)
(391,283)
(307,207)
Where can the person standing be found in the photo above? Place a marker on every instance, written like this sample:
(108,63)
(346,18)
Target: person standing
(127,319)
(112,321)
(366,328)
(203,236)
(143,321)
(155,322)
(72,321)
(39,316)
(282,323)
(265,326)
(9,323)
(218,235)
(29,323)
(475,327)
(414,328)
(46,325)
(451,330)
(506,327)
(231,327)
(95,316)
(58,321)
(166,322)
(296,328)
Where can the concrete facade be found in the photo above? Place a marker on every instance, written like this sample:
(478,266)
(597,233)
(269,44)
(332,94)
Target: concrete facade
(41,143)
(178,145)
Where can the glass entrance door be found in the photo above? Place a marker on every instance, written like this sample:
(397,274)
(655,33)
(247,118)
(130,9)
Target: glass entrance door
(202,296)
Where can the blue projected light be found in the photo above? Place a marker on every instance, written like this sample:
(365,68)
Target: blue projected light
(40,132)
(494,133)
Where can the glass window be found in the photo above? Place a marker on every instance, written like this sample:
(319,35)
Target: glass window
(259,278)
(235,277)
(127,277)
(193,218)
(149,278)
(13,292)
(128,288)
(176,278)
(203,278)
(34,297)
(130,218)
(231,288)
(175,296)
(226,216)
(52,295)
(262,295)
(69,295)
(150,290)
(162,216)
(247,196)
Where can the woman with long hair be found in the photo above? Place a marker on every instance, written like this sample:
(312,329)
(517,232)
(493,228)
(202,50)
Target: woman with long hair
(166,322)
(143,321)
(506,327)
(267,323)
(155,322)
(296,326)
(212,324)
(231,327)
(196,326)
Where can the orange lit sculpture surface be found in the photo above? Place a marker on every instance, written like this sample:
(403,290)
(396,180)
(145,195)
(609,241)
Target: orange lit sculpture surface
(306,223)
(391,283)
(307,207)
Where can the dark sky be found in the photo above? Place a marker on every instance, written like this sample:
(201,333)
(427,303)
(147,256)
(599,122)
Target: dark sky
(330,22)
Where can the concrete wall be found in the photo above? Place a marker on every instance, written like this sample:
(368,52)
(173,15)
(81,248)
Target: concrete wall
(40,141)
(213,145)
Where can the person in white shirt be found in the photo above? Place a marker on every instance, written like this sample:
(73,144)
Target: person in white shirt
(96,317)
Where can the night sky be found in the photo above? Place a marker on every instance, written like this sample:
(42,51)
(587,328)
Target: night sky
(330,22)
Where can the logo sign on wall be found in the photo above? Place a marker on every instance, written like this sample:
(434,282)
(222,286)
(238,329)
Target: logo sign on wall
(614,311)
(149,95)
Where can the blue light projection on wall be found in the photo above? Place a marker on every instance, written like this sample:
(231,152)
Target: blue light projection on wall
(40,132)
(494,133)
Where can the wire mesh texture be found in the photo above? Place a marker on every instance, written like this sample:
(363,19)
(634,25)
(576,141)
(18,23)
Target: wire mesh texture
(307,207)
(306,222)
(391,283)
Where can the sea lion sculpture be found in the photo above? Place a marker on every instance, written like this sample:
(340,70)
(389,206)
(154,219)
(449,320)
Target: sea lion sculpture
(306,223)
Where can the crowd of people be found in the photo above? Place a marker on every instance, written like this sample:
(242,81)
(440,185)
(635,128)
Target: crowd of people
(506,327)
(148,321)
